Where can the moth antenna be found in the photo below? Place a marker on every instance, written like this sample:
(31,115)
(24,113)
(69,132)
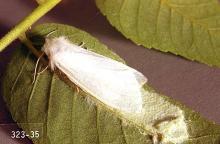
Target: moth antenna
(43,70)
(82,44)
(51,32)
(35,69)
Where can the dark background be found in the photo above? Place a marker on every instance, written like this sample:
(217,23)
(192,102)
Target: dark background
(193,84)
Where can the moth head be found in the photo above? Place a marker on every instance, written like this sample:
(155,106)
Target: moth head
(53,46)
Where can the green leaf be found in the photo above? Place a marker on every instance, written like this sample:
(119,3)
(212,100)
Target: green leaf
(65,115)
(189,28)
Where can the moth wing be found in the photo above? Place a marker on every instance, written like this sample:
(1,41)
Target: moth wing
(111,82)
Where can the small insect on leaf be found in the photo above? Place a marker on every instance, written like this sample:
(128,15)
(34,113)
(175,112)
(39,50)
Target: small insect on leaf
(110,81)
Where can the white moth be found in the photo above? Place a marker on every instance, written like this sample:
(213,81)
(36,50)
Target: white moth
(111,82)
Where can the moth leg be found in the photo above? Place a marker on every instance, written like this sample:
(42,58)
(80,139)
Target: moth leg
(165,119)
(43,70)
(156,138)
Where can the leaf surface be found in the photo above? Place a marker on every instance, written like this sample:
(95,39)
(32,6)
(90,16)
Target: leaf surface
(189,28)
(65,115)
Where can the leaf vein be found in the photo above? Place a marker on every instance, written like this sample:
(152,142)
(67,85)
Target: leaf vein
(213,135)
(97,124)
(192,5)
(157,18)
(187,17)
(138,20)
(20,72)
(213,47)
(123,133)
(49,99)
(120,11)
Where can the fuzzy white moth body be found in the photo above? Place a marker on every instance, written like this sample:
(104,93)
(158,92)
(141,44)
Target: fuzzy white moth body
(111,82)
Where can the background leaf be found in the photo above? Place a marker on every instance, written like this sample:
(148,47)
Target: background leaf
(67,116)
(189,28)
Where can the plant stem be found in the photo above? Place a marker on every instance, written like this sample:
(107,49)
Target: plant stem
(41,10)
(40,1)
